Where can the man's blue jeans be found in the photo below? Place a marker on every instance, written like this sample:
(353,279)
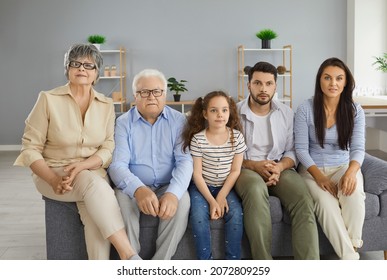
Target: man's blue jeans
(200,222)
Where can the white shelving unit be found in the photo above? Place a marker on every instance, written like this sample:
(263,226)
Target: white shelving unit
(117,83)
(284,55)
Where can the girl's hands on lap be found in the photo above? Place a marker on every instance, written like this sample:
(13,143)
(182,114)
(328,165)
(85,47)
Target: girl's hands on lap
(222,202)
(215,211)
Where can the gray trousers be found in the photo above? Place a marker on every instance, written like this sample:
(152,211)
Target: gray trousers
(169,232)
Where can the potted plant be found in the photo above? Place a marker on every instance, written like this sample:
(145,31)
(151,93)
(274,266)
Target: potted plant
(381,62)
(96,40)
(266,35)
(176,86)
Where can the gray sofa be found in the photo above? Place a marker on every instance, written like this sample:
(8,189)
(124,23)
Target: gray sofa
(65,237)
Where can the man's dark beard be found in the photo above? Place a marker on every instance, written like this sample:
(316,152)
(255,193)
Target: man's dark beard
(256,100)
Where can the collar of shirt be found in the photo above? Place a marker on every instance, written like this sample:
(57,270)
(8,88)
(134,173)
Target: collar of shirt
(137,116)
(65,90)
(246,111)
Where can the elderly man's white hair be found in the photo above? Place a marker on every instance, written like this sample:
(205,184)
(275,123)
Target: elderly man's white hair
(149,73)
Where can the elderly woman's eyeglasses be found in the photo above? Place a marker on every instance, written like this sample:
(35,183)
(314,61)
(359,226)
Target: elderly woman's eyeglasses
(86,65)
(145,93)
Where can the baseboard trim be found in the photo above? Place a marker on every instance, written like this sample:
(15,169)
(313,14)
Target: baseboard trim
(10,147)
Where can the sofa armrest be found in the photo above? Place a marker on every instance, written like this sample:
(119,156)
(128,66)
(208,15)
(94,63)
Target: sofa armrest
(375,174)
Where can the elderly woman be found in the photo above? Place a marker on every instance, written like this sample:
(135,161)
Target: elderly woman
(68,142)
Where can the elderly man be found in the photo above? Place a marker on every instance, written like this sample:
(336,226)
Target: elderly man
(149,167)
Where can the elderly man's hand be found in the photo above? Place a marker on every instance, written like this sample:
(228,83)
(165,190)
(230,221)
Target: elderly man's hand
(147,201)
(168,206)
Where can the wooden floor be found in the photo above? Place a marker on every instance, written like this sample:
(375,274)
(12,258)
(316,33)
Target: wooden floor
(22,231)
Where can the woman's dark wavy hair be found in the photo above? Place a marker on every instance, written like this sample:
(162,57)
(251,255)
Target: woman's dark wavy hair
(345,111)
(196,121)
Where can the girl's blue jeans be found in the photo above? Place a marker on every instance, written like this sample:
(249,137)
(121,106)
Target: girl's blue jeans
(200,222)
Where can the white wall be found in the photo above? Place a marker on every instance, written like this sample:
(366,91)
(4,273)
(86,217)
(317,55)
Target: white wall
(367,38)
(191,39)
(367,30)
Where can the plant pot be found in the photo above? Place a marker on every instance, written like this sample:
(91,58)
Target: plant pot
(98,46)
(176,97)
(266,44)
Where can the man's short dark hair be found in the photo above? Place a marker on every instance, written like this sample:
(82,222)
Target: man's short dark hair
(265,67)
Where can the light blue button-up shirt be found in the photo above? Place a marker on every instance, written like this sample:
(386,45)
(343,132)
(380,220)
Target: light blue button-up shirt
(150,155)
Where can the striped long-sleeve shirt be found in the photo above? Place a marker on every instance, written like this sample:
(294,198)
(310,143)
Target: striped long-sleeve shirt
(308,149)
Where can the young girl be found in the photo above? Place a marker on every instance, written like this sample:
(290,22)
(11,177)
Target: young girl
(213,135)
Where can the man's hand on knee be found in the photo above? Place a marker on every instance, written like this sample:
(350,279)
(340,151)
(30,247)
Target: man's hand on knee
(147,201)
(168,206)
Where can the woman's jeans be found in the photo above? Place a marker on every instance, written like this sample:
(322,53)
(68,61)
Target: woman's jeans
(200,222)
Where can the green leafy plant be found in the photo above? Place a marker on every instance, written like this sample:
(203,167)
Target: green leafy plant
(96,39)
(266,34)
(381,63)
(176,86)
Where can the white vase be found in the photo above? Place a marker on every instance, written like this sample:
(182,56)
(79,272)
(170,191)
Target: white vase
(98,46)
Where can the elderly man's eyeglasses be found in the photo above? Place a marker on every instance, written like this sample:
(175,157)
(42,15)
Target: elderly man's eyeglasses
(86,65)
(145,93)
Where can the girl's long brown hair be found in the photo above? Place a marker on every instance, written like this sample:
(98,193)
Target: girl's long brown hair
(196,121)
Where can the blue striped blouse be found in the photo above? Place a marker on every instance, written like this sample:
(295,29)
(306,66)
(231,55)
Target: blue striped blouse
(309,151)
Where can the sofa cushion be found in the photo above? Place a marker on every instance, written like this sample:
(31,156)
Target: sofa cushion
(148,221)
(275,209)
(383,203)
(372,206)
(375,174)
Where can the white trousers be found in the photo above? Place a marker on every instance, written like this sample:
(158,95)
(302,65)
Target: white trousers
(340,218)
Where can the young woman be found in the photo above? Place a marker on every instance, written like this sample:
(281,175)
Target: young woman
(329,140)
(213,135)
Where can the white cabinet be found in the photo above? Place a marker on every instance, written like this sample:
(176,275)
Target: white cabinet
(113,77)
(277,57)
